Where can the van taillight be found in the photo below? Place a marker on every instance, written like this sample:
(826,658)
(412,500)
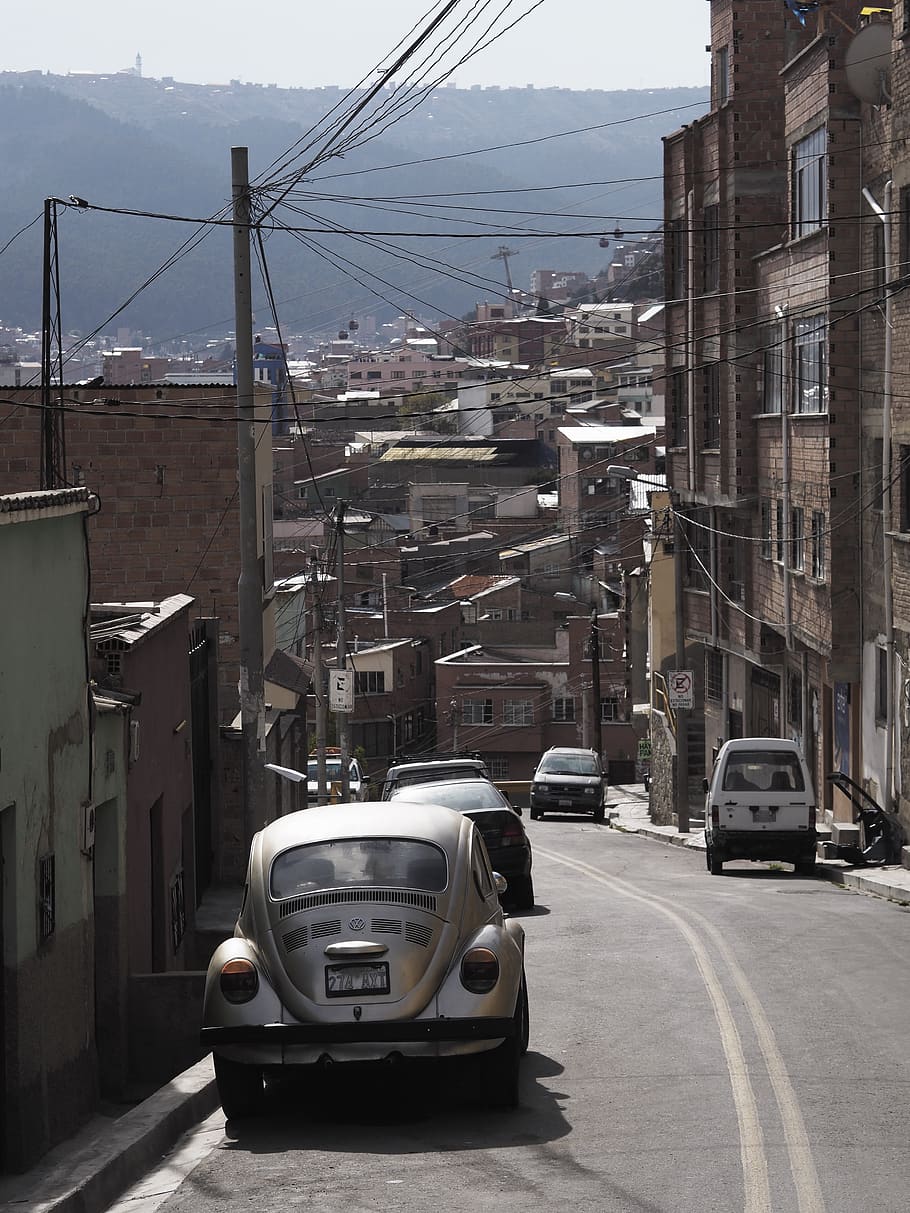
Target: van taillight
(715,815)
(811,816)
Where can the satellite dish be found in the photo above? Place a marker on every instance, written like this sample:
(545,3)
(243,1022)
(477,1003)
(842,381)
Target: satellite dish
(868,63)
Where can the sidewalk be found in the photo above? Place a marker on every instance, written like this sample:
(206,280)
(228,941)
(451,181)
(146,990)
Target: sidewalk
(628,810)
(86,1173)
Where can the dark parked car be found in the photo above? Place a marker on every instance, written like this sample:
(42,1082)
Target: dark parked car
(501,826)
(568,780)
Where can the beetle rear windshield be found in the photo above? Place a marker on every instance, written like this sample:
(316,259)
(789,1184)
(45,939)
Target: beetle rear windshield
(396,863)
(568,764)
(763,771)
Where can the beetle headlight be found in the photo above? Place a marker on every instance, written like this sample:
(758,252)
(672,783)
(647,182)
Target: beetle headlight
(479,970)
(239,981)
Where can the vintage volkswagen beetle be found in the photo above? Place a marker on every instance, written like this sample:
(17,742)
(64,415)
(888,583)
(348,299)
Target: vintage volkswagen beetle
(369,934)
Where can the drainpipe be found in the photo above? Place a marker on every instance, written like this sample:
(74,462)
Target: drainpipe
(884,213)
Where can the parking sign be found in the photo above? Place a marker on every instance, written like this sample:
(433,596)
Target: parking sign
(681,687)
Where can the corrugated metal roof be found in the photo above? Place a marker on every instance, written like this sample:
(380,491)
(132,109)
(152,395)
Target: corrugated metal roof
(436,454)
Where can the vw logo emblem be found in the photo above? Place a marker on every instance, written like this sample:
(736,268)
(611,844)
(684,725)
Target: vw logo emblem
(357,924)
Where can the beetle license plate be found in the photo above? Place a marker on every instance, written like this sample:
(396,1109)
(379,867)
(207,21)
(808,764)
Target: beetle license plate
(341,981)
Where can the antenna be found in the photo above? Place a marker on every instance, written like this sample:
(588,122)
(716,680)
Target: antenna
(868,62)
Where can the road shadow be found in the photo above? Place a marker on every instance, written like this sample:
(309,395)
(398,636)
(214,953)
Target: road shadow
(402,1109)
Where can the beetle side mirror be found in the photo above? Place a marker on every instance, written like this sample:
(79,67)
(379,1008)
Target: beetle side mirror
(500,883)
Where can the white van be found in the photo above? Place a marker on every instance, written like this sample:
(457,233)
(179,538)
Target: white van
(760,804)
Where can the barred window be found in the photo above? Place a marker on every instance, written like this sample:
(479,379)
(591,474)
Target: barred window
(499,767)
(676,258)
(712,405)
(714,675)
(779,532)
(796,699)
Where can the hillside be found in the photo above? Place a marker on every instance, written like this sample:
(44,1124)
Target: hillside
(160,146)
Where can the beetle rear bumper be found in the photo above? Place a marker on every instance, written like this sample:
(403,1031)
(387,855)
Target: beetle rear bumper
(289,1034)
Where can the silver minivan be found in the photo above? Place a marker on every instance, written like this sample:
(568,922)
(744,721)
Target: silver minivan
(760,804)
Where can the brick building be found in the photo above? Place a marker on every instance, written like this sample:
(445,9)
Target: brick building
(763,384)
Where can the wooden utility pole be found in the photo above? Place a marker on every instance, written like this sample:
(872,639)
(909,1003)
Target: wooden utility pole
(318,684)
(341,718)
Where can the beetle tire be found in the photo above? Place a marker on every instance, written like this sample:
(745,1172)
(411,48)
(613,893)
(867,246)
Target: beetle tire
(240,1088)
(503,1064)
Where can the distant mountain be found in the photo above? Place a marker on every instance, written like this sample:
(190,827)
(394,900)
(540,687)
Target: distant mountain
(160,146)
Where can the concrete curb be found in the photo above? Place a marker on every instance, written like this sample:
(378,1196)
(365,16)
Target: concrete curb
(90,1178)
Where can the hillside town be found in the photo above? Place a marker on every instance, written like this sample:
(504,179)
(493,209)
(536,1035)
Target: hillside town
(641,521)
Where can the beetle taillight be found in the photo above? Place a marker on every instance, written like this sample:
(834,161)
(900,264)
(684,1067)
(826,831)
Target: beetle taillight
(479,970)
(239,981)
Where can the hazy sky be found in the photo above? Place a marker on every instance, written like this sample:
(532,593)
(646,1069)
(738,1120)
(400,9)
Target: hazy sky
(567,43)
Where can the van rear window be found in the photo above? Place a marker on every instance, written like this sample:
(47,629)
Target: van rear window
(763,771)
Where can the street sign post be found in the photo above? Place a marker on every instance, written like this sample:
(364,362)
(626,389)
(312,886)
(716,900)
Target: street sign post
(681,688)
(341,690)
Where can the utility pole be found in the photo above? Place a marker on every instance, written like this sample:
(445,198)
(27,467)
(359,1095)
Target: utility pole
(341,718)
(682,719)
(596,728)
(318,684)
(249,586)
(453,715)
(53,456)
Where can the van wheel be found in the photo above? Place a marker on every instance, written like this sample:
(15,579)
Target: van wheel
(715,864)
(537,814)
(806,865)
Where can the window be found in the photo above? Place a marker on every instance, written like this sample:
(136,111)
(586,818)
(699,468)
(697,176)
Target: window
(811,390)
(818,545)
(711,248)
(722,76)
(796,699)
(714,675)
(494,613)
(881,684)
(797,540)
(697,539)
(676,258)
(904,267)
(712,405)
(369,682)
(517,711)
(477,711)
(810,171)
(499,767)
(609,709)
(564,710)
(904,473)
(775,365)
(779,531)
(47,897)
(679,416)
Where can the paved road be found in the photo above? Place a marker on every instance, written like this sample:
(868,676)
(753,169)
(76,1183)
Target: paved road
(697,1044)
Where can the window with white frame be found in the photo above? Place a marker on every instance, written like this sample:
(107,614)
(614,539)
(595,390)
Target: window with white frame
(811,395)
(477,711)
(369,682)
(564,710)
(818,545)
(775,365)
(499,766)
(517,711)
(609,709)
(810,182)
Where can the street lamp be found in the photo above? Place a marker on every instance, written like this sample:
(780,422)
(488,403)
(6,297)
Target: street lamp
(682,720)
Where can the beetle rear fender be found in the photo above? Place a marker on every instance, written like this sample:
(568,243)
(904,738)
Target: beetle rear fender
(217,1011)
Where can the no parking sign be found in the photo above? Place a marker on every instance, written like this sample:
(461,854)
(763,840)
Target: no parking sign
(681,687)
